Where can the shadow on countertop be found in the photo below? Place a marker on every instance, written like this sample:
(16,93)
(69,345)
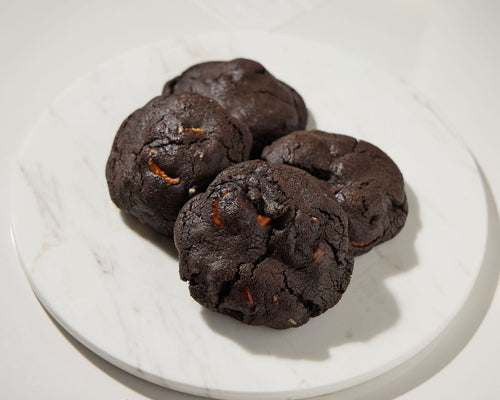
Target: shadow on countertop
(367,309)
(163,242)
(391,384)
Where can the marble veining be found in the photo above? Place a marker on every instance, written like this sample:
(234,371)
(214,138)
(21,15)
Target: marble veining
(114,284)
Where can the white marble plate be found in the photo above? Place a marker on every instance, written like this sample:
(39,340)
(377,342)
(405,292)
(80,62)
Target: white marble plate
(114,284)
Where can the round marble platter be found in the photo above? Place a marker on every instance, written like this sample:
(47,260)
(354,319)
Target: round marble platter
(114,284)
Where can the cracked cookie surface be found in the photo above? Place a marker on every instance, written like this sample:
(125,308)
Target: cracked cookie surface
(265,244)
(167,151)
(367,183)
(250,93)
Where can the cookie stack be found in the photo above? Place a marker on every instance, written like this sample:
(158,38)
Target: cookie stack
(266,216)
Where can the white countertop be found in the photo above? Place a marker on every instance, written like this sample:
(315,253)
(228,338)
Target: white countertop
(449,50)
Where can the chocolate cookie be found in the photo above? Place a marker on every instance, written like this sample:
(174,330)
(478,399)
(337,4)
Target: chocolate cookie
(167,151)
(248,92)
(367,183)
(265,244)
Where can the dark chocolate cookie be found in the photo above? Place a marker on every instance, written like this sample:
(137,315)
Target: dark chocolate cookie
(248,92)
(367,183)
(167,151)
(265,244)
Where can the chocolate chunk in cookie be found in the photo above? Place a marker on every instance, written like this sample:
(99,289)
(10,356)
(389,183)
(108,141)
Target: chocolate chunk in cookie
(367,183)
(169,150)
(248,92)
(265,244)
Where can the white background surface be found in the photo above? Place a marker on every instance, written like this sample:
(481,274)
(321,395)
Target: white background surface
(449,50)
